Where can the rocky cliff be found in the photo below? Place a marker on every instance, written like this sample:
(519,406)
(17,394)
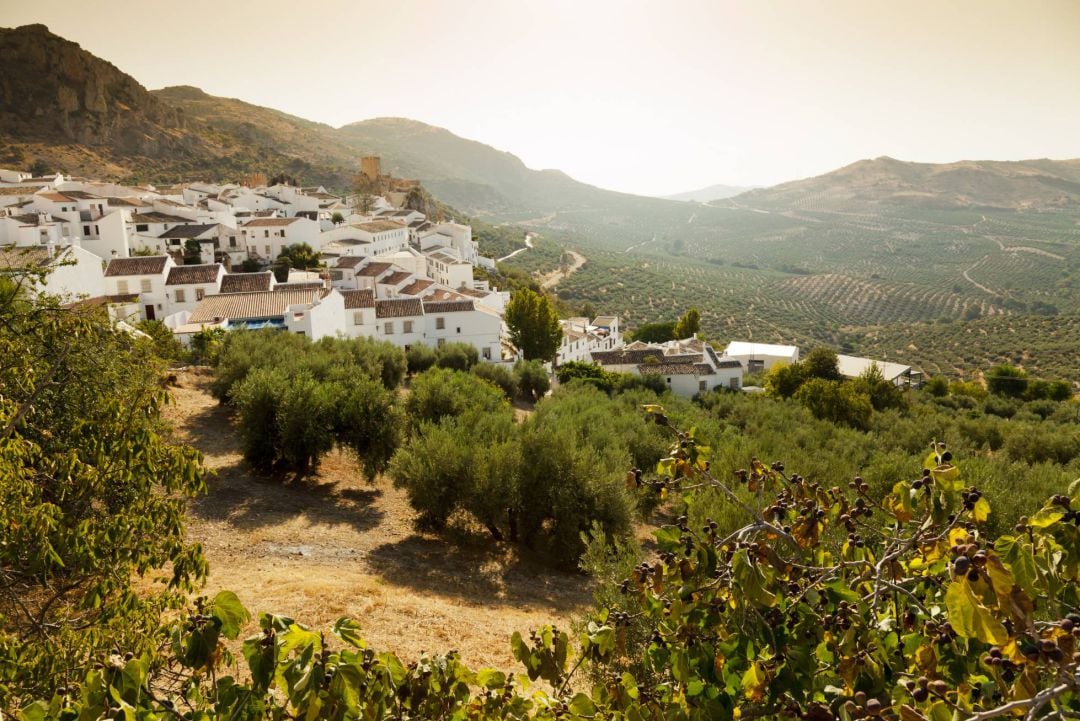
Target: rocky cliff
(51,90)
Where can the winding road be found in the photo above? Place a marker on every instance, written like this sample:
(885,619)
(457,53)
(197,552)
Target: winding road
(528,244)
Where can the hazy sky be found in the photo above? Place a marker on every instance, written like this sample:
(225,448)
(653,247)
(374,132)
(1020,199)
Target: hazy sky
(649,97)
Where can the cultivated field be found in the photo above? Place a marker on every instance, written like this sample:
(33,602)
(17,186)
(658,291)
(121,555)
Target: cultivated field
(333,545)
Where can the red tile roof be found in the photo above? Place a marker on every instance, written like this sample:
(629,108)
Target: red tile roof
(136,265)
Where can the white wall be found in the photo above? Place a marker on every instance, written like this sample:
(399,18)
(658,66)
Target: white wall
(85,277)
(479,329)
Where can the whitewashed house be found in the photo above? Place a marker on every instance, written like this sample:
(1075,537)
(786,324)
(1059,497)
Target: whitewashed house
(687,367)
(581,337)
(142,276)
(757,357)
(73,273)
(265,237)
(461,321)
(900,375)
(186,285)
(400,321)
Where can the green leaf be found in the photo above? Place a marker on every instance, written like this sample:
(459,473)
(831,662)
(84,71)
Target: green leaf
(37,711)
(348,630)
(582,705)
(969,618)
(490,678)
(947,477)
(230,613)
(1045,518)
(1020,558)
(751,580)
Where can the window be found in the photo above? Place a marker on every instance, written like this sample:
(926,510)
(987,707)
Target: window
(146,286)
(440,323)
(86,230)
(180,295)
(266,233)
(358,318)
(703,386)
(232,241)
(459,330)
(96,231)
(487,354)
(407,326)
(388,328)
(122,287)
(267,249)
(199,293)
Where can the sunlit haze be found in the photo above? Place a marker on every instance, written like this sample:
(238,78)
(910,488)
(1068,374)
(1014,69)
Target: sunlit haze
(645,97)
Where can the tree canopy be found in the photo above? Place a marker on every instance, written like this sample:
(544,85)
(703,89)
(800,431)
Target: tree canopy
(533,325)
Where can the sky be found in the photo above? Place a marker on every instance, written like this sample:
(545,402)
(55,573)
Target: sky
(649,97)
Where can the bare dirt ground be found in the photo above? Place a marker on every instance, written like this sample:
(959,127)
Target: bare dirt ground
(333,545)
(550,280)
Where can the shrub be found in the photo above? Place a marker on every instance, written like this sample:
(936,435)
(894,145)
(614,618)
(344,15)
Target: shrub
(165,343)
(368,422)
(882,393)
(498,376)
(836,401)
(456,356)
(937,386)
(783,380)
(419,358)
(532,380)
(1001,407)
(821,362)
(440,392)
(1006,380)
(257,398)
(970,389)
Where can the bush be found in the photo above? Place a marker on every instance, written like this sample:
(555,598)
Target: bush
(837,402)
(419,358)
(165,344)
(1001,407)
(532,380)
(821,362)
(456,356)
(498,376)
(368,422)
(783,380)
(970,389)
(937,386)
(439,392)
(882,394)
(1007,380)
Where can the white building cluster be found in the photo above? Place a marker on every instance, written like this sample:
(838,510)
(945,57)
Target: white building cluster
(177,254)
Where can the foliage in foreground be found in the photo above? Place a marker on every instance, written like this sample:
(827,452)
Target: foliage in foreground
(824,604)
(91,495)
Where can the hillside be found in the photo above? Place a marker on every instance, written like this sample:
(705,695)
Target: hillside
(869,184)
(79,113)
(711,192)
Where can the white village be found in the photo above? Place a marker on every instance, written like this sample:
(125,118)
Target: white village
(201,256)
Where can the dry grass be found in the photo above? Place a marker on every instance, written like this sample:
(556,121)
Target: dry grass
(333,546)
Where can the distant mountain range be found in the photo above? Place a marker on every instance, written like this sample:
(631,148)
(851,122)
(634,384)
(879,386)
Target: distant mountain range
(712,192)
(63,105)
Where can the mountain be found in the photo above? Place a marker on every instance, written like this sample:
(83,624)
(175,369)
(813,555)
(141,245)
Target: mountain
(76,112)
(712,192)
(881,182)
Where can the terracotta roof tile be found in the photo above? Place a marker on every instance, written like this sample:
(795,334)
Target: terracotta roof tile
(398,307)
(372,270)
(448,306)
(396,277)
(358,299)
(269,222)
(191,274)
(136,265)
(248,306)
(245,282)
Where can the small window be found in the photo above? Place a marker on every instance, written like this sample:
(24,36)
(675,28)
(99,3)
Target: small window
(232,241)
(358,318)
(487,354)
(86,230)
(199,293)
(459,330)
(142,228)
(122,287)
(440,323)
(96,231)
(146,286)
(408,326)
(267,249)
(180,295)
(388,328)
(266,233)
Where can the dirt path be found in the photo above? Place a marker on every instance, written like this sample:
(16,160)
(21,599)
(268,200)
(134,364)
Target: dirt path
(550,280)
(976,283)
(336,546)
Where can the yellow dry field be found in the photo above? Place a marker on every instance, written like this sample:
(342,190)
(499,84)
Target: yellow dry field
(334,545)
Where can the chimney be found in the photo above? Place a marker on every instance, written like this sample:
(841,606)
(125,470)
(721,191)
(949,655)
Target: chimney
(50,247)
